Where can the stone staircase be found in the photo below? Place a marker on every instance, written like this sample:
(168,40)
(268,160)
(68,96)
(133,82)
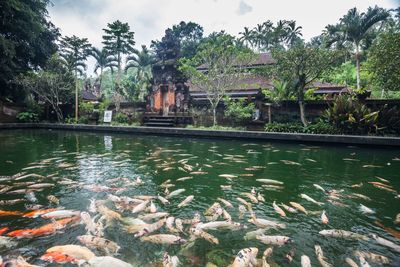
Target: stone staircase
(166,121)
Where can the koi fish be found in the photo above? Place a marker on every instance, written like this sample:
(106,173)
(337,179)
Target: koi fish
(246,257)
(324,218)
(278,209)
(185,201)
(320,256)
(37,213)
(163,239)
(100,243)
(298,207)
(276,240)
(107,261)
(9,213)
(74,251)
(169,261)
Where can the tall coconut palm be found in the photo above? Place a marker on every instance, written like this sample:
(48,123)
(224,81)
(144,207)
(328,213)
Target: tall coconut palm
(247,36)
(142,62)
(354,28)
(74,51)
(103,61)
(292,32)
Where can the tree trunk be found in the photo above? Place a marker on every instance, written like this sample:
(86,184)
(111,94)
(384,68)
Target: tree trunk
(100,81)
(358,67)
(58,112)
(302,113)
(76,98)
(269,114)
(119,72)
(214,116)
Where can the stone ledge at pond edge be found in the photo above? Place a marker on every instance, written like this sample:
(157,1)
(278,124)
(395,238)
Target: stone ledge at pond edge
(244,135)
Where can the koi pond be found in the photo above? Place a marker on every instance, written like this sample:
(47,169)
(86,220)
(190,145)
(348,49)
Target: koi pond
(124,200)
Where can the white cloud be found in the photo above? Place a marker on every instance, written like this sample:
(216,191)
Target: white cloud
(149,19)
(244,8)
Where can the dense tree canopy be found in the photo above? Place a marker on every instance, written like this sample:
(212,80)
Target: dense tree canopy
(27,41)
(384,60)
(225,64)
(300,66)
(355,30)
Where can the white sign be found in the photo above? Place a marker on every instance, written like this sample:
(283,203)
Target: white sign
(107,116)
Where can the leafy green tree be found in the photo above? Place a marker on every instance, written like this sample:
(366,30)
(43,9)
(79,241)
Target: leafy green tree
(27,41)
(74,51)
(190,35)
(118,40)
(345,74)
(53,84)
(355,29)
(301,65)
(384,61)
(225,67)
(103,61)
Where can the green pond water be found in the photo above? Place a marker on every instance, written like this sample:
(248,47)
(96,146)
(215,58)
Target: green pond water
(96,158)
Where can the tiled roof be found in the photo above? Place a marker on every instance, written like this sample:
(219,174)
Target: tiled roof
(87,95)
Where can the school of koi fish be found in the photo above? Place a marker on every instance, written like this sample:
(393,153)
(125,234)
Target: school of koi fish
(148,220)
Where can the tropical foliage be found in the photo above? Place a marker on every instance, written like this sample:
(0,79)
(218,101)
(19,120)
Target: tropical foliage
(226,65)
(239,110)
(355,31)
(301,65)
(103,61)
(384,61)
(27,41)
(266,36)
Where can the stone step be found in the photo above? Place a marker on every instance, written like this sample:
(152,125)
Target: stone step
(160,124)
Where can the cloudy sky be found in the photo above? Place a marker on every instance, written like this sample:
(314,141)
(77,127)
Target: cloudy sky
(149,18)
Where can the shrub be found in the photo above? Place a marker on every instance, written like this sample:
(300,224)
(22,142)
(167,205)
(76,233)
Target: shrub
(83,120)
(321,128)
(32,113)
(28,116)
(389,120)
(86,108)
(70,120)
(238,110)
(317,128)
(350,116)
(121,118)
(284,127)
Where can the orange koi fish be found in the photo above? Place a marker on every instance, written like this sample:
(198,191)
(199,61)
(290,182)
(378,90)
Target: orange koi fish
(58,257)
(43,230)
(3,230)
(37,213)
(9,213)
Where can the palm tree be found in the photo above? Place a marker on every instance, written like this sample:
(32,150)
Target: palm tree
(103,61)
(247,36)
(74,52)
(292,32)
(142,62)
(354,28)
(118,40)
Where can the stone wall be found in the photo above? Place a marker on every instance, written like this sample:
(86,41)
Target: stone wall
(8,112)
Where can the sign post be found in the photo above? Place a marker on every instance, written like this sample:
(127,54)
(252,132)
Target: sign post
(107,116)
